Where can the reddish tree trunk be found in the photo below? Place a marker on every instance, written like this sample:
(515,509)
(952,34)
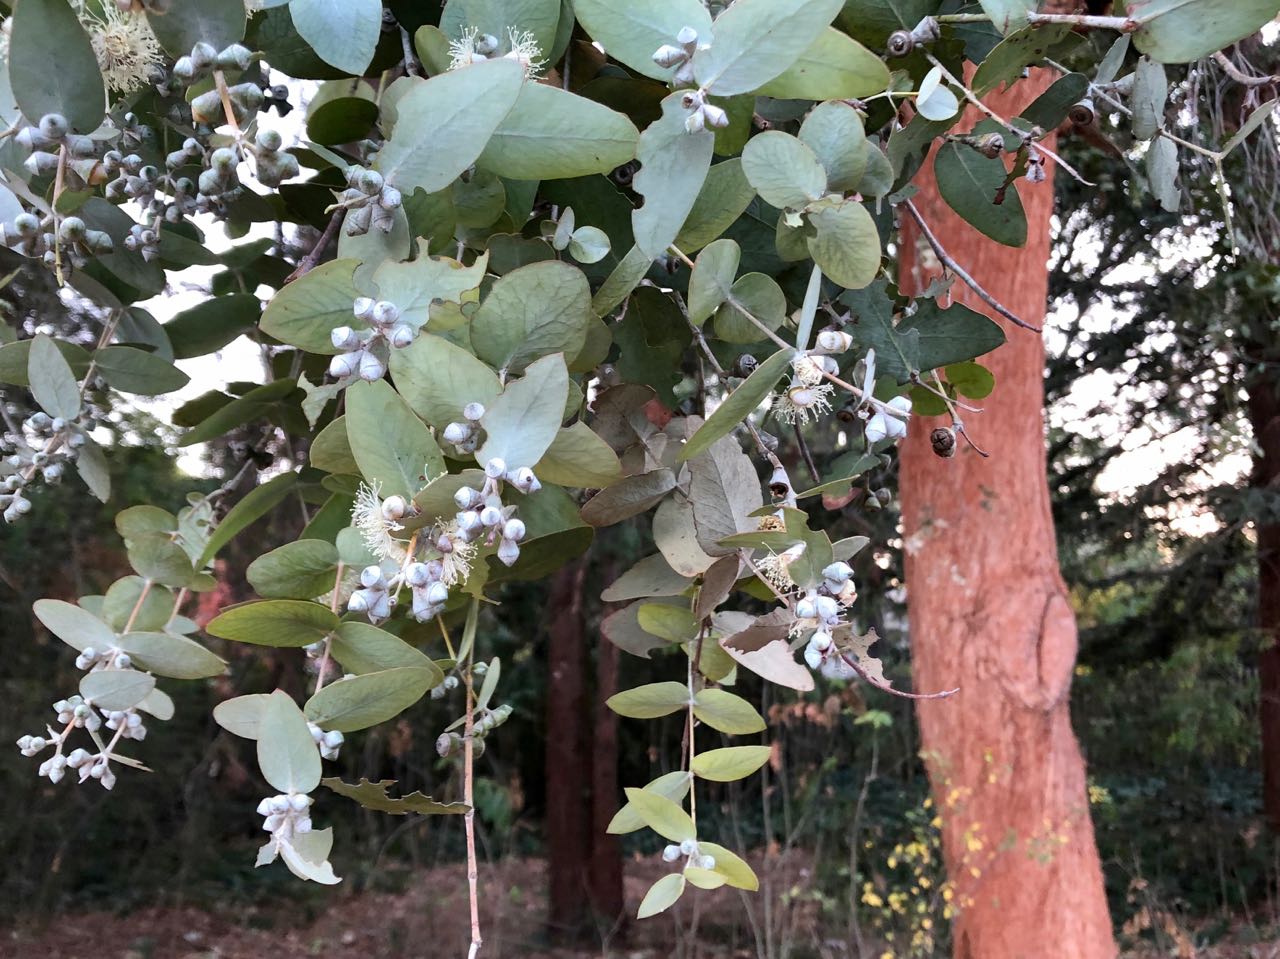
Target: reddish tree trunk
(1264,416)
(989,613)
(584,863)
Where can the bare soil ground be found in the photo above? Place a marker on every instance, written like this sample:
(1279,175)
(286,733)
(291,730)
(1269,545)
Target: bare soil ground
(430,921)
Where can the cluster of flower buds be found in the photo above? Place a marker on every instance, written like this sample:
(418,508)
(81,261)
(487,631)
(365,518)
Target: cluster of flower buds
(882,425)
(70,243)
(91,657)
(370,202)
(286,815)
(680,56)
(482,515)
(701,113)
(128,723)
(327,742)
(451,743)
(45,445)
(208,107)
(75,713)
(220,183)
(430,592)
(273,166)
(822,610)
(465,436)
(689,849)
(374,597)
(449,685)
(364,352)
(49,138)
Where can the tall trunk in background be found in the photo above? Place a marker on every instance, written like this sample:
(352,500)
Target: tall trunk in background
(989,613)
(1264,416)
(584,863)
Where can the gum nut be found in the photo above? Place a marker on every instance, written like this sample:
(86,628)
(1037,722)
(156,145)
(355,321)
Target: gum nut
(54,126)
(496,468)
(269,140)
(473,412)
(394,507)
(299,802)
(382,608)
(223,158)
(26,224)
(490,516)
(437,594)
(451,682)
(123,661)
(363,307)
(688,847)
(359,602)
(385,313)
(344,338)
(435,569)
(508,552)
(345,364)
(416,574)
(821,640)
(902,403)
(671,853)
(402,335)
(877,428)
(513,530)
(371,576)
(525,481)
(834,341)
(89,653)
(812,657)
(371,367)
(316,732)
(78,758)
(805,609)
(687,35)
(838,571)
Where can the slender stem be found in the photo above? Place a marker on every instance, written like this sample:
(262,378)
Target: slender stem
(220,81)
(956,422)
(448,643)
(959,271)
(868,678)
(308,262)
(473,874)
(177,603)
(137,607)
(328,639)
(694,658)
(59,181)
(1087,21)
(809,309)
(410,61)
(1238,75)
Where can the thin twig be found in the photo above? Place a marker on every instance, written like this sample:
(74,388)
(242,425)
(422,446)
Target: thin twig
(410,61)
(469,819)
(857,668)
(137,607)
(959,271)
(1238,75)
(328,640)
(308,262)
(1081,20)
(805,454)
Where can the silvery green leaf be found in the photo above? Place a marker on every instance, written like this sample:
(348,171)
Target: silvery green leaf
(343,33)
(619,284)
(303,569)
(522,422)
(712,278)
(672,785)
(553,134)
(970,182)
(725,491)
(846,244)
(116,689)
(1162,173)
(783,170)
(52,67)
(91,467)
(662,895)
(632,30)
(533,311)
(589,244)
(1008,15)
(1179,31)
(76,627)
(675,534)
(650,701)
(437,378)
(934,100)
(252,506)
(725,195)
(52,382)
(757,294)
(306,311)
(445,122)
(580,459)
(629,497)
(414,286)
(274,622)
(167,655)
(651,576)
(391,445)
(1150,90)
(756,40)
(673,167)
(132,370)
(242,716)
(287,754)
(835,134)
(358,702)
(188,22)
(362,648)
(834,67)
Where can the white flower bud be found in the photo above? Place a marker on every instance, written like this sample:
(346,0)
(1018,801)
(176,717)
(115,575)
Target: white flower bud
(402,335)
(280,804)
(363,307)
(394,508)
(524,480)
(705,862)
(827,608)
(264,807)
(359,602)
(669,56)
(344,338)
(437,594)
(696,121)
(467,498)
(671,854)
(513,530)
(456,433)
(124,661)
(371,367)
(834,341)
(345,364)
(812,656)
(371,576)
(805,609)
(715,116)
(385,313)
(473,412)
(687,36)
(877,428)
(417,574)
(902,403)
(496,468)
(821,641)
(838,572)
(299,802)
(508,552)
(490,516)
(689,847)
(468,520)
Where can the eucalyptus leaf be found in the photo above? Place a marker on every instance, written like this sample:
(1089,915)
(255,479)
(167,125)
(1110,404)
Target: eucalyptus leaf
(522,422)
(673,168)
(52,66)
(358,702)
(393,448)
(287,754)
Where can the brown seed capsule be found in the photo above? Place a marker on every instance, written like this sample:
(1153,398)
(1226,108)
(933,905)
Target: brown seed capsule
(744,365)
(991,145)
(943,441)
(900,43)
(1082,113)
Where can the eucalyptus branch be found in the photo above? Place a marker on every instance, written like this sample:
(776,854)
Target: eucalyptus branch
(885,687)
(137,606)
(1080,20)
(468,789)
(308,262)
(956,423)
(949,261)
(410,61)
(991,114)
(1239,76)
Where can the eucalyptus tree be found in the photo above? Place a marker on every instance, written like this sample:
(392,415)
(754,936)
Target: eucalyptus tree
(590,261)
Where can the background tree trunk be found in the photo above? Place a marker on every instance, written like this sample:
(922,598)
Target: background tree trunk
(1264,415)
(989,613)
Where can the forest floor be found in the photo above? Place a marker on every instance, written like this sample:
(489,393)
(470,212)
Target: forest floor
(431,921)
